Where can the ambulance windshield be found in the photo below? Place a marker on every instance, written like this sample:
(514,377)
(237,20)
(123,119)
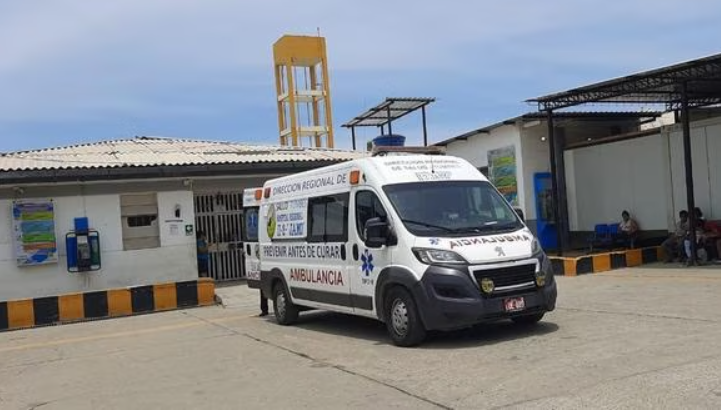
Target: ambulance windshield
(451,208)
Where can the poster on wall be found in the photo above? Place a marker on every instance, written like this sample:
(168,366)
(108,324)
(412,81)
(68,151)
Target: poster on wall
(34,232)
(502,170)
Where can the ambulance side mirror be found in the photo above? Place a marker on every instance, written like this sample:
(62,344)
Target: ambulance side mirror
(376,233)
(519,212)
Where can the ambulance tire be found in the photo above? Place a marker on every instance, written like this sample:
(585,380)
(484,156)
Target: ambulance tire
(402,319)
(286,313)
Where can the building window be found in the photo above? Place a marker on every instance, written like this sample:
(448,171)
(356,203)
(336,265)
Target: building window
(139,215)
(328,218)
(139,221)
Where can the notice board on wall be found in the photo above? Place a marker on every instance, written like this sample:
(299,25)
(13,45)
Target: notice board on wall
(502,170)
(34,232)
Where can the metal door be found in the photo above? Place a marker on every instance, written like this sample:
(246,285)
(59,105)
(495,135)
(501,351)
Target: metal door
(220,216)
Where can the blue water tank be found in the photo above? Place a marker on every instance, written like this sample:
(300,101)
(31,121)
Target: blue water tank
(389,140)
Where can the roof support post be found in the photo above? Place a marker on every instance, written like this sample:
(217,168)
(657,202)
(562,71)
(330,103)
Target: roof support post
(560,147)
(352,133)
(554,182)
(383,130)
(390,119)
(557,142)
(425,129)
(688,164)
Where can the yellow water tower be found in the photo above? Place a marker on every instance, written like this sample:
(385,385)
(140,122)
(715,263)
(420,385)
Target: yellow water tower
(303,91)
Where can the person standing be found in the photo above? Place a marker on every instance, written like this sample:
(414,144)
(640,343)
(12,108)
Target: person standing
(203,255)
(263,305)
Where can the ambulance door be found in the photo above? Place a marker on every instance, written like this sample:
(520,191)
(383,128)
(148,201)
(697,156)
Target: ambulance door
(324,278)
(366,263)
(251,247)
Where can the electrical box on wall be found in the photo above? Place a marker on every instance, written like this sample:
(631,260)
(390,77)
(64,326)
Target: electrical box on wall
(83,247)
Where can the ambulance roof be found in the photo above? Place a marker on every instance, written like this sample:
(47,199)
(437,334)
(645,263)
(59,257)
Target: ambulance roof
(395,169)
(378,171)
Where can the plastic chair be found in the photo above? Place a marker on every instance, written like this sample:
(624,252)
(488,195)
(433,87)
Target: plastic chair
(601,236)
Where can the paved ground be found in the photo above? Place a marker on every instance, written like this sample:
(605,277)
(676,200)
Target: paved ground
(635,339)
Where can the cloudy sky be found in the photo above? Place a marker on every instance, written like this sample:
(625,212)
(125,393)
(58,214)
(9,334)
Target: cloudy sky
(74,71)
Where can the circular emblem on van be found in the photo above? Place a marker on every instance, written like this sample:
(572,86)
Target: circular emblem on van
(271,221)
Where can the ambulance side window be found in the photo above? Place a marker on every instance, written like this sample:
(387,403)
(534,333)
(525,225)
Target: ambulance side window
(367,206)
(250,225)
(328,218)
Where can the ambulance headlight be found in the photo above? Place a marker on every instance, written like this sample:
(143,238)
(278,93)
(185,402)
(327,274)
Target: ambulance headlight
(545,271)
(432,256)
(535,246)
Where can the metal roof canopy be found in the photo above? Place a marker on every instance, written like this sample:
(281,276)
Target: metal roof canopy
(701,79)
(566,117)
(681,87)
(390,110)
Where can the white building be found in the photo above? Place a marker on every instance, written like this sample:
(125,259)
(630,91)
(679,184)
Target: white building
(146,197)
(613,162)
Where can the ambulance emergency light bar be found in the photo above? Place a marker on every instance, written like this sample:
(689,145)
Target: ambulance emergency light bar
(380,151)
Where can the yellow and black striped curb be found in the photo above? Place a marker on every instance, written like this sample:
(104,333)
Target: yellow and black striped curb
(18,314)
(604,262)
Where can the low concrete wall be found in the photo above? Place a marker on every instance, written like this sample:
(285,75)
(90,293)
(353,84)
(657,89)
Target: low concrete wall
(26,313)
(603,262)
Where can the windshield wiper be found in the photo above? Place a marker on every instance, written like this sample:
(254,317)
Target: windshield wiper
(427,225)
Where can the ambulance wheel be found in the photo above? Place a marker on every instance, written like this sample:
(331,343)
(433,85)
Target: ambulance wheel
(528,320)
(402,318)
(286,313)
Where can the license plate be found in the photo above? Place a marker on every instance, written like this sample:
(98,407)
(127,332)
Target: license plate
(514,304)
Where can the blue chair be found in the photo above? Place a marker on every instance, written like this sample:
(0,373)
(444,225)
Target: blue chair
(602,236)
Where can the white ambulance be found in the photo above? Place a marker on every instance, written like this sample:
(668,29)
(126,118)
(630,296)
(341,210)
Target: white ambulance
(251,253)
(420,242)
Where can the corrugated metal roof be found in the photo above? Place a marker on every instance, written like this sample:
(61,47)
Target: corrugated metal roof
(561,115)
(158,151)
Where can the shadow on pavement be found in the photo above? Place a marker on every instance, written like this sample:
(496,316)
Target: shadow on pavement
(375,331)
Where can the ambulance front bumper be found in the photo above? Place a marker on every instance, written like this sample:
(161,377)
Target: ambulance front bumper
(450,299)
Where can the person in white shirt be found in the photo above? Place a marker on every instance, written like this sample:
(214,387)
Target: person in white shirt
(628,229)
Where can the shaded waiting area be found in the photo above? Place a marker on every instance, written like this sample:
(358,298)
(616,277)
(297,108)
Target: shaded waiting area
(679,88)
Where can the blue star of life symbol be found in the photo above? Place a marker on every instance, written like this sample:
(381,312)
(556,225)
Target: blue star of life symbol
(434,241)
(367,259)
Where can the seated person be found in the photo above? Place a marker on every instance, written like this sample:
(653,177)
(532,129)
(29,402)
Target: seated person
(628,229)
(699,216)
(711,236)
(702,255)
(673,246)
(712,240)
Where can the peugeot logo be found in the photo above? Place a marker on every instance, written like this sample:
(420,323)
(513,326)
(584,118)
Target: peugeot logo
(500,251)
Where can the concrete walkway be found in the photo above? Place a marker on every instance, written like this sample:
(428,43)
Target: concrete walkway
(628,339)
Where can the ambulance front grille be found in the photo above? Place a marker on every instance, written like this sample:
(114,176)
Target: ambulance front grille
(509,277)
